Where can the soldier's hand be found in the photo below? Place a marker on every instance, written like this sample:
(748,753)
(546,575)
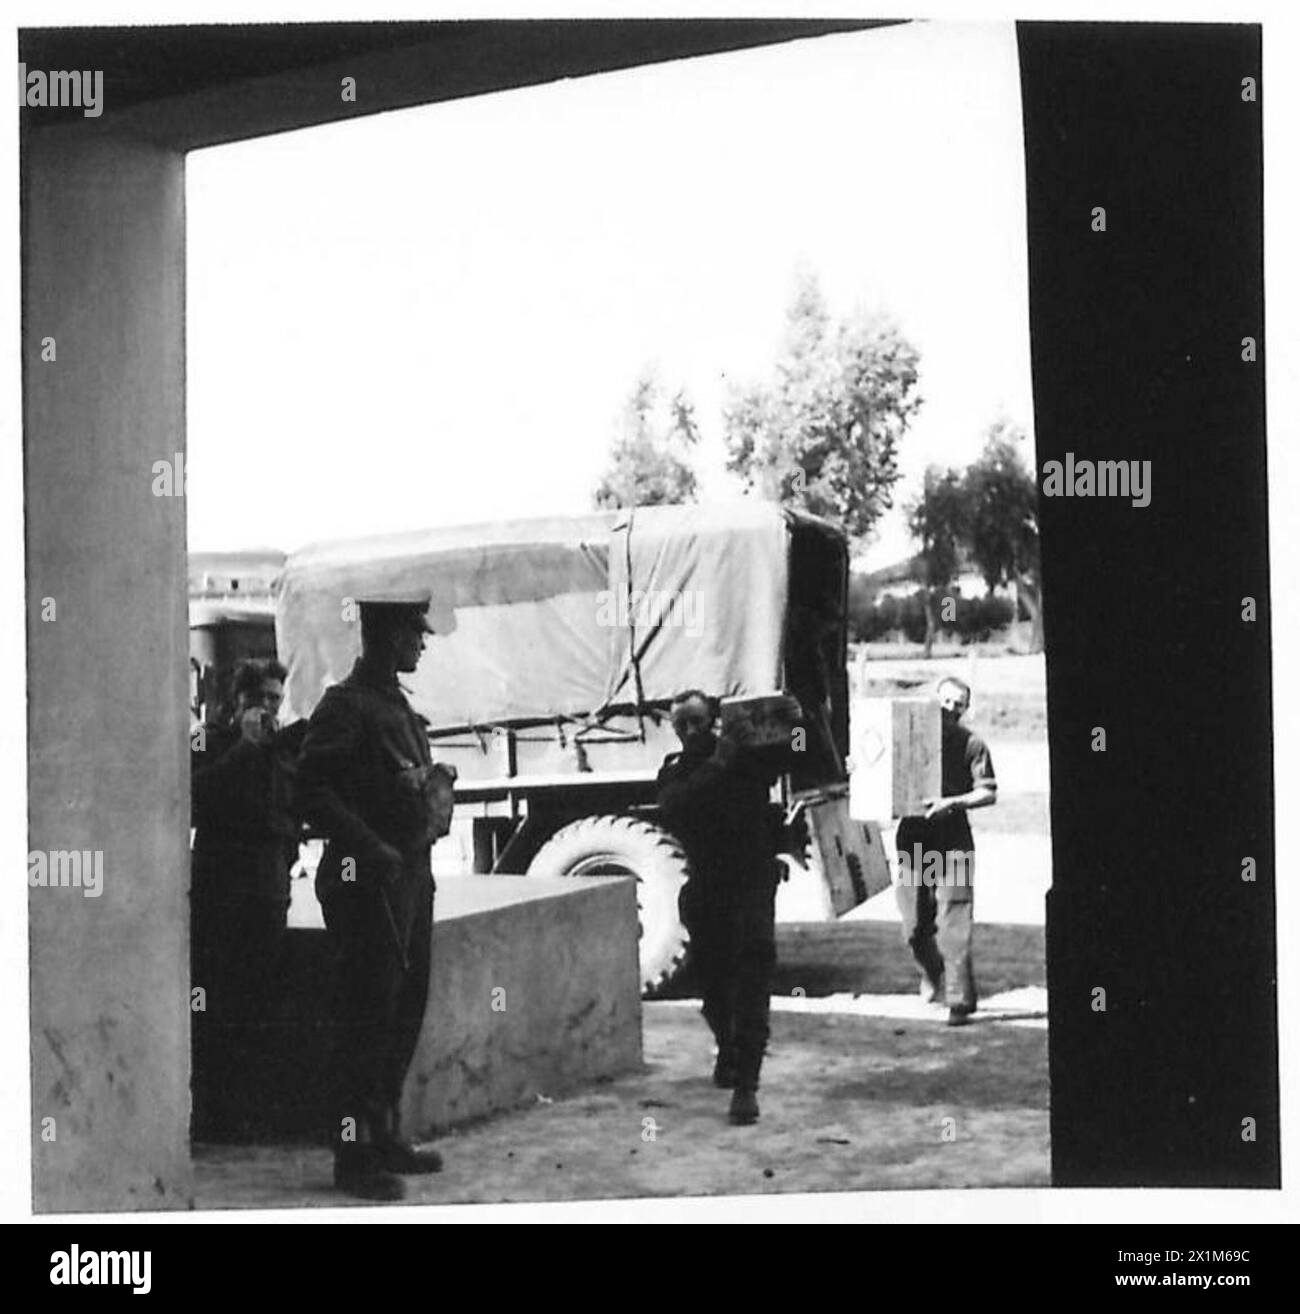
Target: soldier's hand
(440,799)
(795,837)
(256,725)
(937,807)
(739,732)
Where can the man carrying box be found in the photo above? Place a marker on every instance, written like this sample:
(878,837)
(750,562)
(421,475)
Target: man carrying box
(936,858)
(715,797)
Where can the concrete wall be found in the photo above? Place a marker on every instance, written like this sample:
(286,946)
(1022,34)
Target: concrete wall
(103,274)
(535,990)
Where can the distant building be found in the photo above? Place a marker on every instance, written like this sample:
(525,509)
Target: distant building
(234,574)
(903,578)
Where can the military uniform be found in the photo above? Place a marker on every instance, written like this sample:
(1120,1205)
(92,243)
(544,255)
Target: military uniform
(365,776)
(718,804)
(246,840)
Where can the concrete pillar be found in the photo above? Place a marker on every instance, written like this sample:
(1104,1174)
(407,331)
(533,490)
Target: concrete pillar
(103,275)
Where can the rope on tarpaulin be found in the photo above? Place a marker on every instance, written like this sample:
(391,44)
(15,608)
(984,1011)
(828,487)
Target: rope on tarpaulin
(633,655)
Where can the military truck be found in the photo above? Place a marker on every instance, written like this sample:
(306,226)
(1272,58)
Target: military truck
(560,645)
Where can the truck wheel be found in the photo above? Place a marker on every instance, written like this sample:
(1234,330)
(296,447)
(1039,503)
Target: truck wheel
(624,846)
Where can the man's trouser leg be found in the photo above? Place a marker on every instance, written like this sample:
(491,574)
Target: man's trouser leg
(368,983)
(753,958)
(700,915)
(258,931)
(209,1027)
(916,905)
(956,928)
(412,998)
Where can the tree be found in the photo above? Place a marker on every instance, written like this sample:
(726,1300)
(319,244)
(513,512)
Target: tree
(823,435)
(938,519)
(1003,532)
(648,465)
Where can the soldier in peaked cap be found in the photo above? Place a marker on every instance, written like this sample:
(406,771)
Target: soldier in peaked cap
(367,781)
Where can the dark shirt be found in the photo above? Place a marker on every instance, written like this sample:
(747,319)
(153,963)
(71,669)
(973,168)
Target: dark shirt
(354,777)
(965,763)
(722,814)
(242,809)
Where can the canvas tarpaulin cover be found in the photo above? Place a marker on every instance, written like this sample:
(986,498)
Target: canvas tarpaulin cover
(540,619)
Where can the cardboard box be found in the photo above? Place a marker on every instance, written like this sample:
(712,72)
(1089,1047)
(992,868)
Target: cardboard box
(895,750)
(852,856)
(772,718)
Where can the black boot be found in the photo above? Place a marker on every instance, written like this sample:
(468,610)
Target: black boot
(744,1098)
(744,1106)
(399,1155)
(360,1171)
(403,1157)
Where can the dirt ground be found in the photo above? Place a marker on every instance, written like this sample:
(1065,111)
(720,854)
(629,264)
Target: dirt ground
(849,1104)
(864,1089)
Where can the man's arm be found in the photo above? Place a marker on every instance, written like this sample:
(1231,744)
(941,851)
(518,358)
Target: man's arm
(982,796)
(330,748)
(681,793)
(984,786)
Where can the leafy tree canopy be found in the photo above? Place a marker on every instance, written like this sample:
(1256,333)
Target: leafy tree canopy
(648,461)
(823,433)
(1003,501)
(939,521)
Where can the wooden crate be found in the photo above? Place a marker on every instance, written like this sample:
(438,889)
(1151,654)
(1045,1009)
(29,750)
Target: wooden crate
(853,861)
(772,718)
(895,747)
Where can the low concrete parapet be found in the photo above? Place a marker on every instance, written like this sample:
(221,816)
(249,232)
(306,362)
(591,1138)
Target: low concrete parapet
(535,990)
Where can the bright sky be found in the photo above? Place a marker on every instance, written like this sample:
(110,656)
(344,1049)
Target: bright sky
(434,316)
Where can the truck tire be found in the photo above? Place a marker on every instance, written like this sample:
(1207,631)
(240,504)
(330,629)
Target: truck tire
(624,846)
